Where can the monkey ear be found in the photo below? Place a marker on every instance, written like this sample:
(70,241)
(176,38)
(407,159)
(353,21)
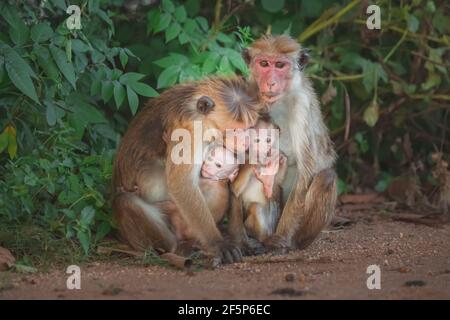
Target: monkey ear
(304,58)
(205,105)
(246,56)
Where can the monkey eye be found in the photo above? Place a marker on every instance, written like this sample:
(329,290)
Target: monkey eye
(280,65)
(264,63)
(268,139)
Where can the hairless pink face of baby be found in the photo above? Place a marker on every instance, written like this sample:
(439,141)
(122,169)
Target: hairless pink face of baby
(220,163)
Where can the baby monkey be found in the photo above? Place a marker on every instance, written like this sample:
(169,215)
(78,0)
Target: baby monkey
(218,169)
(258,183)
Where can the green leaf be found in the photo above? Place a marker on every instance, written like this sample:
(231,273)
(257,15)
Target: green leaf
(41,32)
(168,77)
(133,100)
(123,58)
(84,114)
(172,32)
(183,38)
(174,59)
(103,229)
(433,81)
(45,61)
(119,94)
(210,63)
(272,6)
(18,32)
(50,113)
(2,68)
(224,66)
(80,46)
(107,90)
(203,23)
(180,14)
(237,60)
(96,87)
(164,22)
(131,77)
(144,89)
(65,67)
(152,20)
(87,215)
(3,141)
(12,142)
(21,268)
(19,72)
(69,50)
(413,23)
(168,6)
(371,114)
(85,238)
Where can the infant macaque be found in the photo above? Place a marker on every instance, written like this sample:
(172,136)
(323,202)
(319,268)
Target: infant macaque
(259,181)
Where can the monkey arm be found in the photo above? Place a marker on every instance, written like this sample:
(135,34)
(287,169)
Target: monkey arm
(240,183)
(185,192)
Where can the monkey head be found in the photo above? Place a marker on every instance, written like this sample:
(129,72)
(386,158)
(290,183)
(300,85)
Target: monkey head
(219,164)
(230,107)
(226,103)
(272,61)
(264,141)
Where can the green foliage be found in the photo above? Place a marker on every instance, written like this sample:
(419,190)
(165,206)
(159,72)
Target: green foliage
(66,96)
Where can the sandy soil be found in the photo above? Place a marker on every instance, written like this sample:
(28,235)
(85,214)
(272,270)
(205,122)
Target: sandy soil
(414,261)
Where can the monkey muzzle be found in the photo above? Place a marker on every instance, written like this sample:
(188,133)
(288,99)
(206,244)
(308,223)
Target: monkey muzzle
(270,97)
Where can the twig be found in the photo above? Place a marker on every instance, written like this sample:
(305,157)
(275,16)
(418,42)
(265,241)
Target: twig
(430,60)
(316,27)
(444,130)
(347,114)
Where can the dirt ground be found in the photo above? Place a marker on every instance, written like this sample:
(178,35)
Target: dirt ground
(414,259)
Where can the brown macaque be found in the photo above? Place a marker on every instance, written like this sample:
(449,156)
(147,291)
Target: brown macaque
(258,184)
(219,168)
(309,189)
(149,176)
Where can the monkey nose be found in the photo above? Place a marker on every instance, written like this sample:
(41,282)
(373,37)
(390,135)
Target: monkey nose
(271,84)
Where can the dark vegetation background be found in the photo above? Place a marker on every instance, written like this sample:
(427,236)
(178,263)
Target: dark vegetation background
(67,96)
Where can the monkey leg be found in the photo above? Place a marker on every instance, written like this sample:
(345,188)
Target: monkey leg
(238,231)
(303,219)
(258,222)
(320,204)
(141,224)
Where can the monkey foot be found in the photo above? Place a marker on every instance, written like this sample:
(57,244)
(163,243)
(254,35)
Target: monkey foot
(276,244)
(253,248)
(227,253)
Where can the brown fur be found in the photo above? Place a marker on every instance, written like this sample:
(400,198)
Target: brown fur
(144,174)
(311,202)
(261,213)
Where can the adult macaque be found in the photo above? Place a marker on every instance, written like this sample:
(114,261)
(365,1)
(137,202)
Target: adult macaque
(146,175)
(276,64)
(258,184)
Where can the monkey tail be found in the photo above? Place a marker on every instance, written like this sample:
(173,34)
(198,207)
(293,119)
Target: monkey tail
(320,204)
(141,224)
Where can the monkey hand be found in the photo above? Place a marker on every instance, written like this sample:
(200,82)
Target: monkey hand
(276,244)
(267,181)
(227,253)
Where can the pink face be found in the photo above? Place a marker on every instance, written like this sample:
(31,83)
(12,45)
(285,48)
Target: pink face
(262,144)
(272,74)
(219,164)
